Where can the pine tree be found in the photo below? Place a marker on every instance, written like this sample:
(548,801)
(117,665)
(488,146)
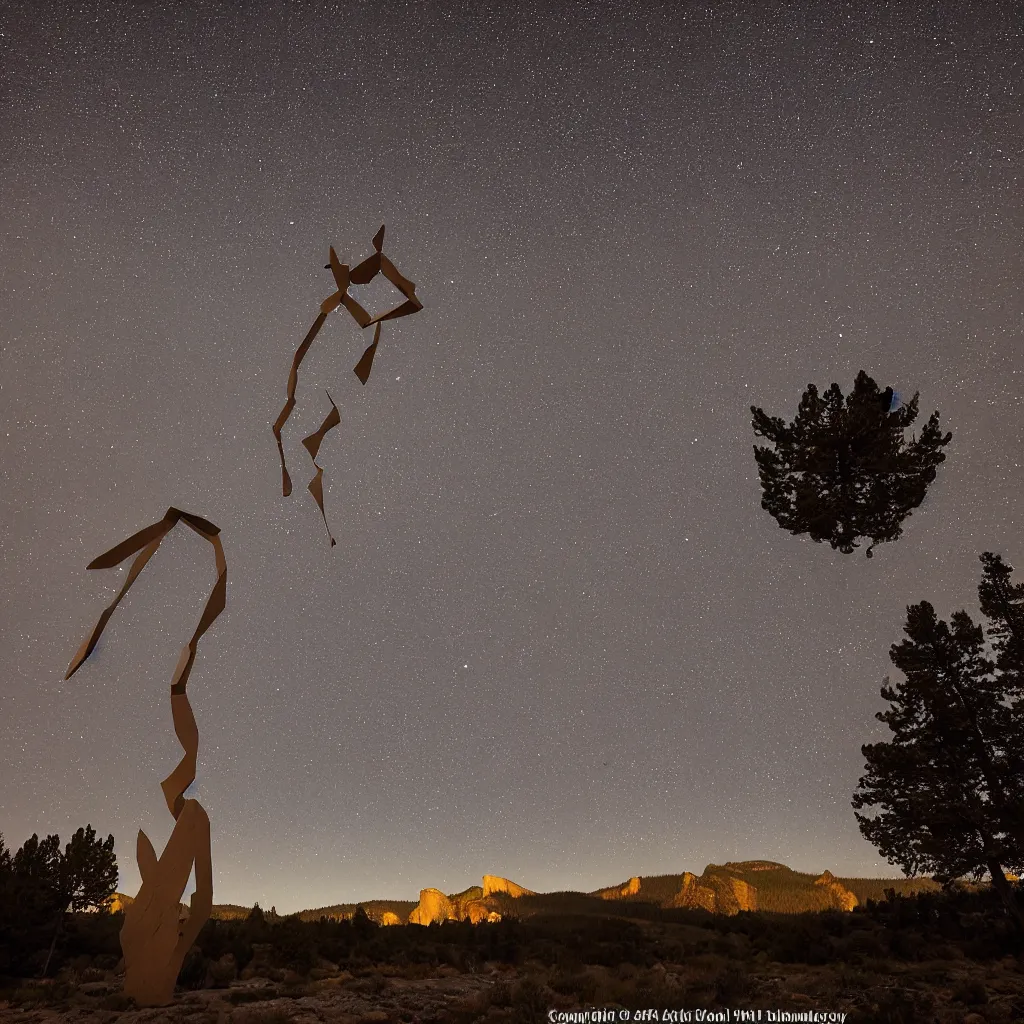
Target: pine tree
(87,872)
(840,472)
(1003,603)
(38,861)
(362,923)
(941,782)
(51,884)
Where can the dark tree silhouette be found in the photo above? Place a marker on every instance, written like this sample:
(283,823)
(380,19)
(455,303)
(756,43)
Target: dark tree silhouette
(1003,603)
(948,802)
(38,860)
(27,907)
(43,884)
(362,924)
(843,471)
(87,876)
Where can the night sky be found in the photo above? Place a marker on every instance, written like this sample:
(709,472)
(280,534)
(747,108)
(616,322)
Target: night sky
(559,639)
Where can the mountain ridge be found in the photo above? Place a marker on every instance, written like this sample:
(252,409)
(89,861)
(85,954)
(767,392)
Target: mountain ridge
(754,885)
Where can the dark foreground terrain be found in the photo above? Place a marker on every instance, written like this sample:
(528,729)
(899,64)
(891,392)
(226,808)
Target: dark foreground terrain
(931,957)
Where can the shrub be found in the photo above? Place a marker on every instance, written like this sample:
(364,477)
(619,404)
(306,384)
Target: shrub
(118,1002)
(529,1001)
(501,994)
(27,996)
(863,944)
(577,983)
(898,1006)
(731,984)
(970,991)
(41,995)
(221,973)
(372,984)
(909,945)
(193,970)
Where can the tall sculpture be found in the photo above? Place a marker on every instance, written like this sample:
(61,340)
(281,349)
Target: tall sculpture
(157,931)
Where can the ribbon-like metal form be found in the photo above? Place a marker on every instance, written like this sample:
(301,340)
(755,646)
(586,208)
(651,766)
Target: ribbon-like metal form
(364,273)
(156,933)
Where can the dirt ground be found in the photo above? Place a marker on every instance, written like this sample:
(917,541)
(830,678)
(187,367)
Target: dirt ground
(944,992)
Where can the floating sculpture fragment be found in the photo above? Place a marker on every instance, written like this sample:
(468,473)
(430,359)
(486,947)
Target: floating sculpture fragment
(312,444)
(156,934)
(365,272)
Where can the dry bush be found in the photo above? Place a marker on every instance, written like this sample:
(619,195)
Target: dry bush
(842,983)
(45,994)
(220,973)
(416,972)
(579,984)
(371,984)
(970,991)
(928,974)
(732,984)
(500,994)
(530,1001)
(118,1002)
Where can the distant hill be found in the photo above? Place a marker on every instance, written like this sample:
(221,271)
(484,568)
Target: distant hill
(720,889)
(221,911)
(376,910)
(760,885)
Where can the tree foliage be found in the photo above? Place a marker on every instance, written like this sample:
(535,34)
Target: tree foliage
(1003,603)
(844,471)
(87,874)
(40,883)
(948,784)
(38,860)
(82,877)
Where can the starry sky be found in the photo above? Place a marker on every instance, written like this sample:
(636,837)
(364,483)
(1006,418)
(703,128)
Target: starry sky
(558,640)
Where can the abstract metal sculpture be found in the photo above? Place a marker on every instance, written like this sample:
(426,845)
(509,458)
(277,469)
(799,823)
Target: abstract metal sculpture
(376,264)
(312,445)
(157,930)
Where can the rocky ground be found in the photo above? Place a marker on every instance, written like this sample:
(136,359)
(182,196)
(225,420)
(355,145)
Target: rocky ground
(938,991)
